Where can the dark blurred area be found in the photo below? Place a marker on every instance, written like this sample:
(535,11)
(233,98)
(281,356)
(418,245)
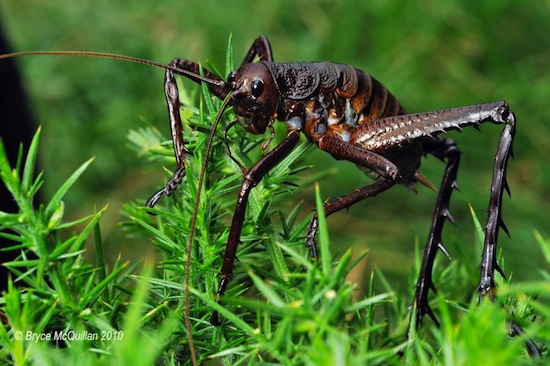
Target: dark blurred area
(16,128)
(431,55)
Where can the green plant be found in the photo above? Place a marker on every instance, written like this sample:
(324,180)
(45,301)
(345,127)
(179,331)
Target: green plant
(56,300)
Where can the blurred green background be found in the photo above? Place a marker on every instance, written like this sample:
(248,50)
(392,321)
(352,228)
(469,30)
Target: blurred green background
(430,54)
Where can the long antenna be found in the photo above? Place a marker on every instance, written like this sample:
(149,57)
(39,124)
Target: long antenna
(115,56)
(193,224)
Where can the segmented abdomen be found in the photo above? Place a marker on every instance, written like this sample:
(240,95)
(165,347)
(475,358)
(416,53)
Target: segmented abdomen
(375,104)
(372,100)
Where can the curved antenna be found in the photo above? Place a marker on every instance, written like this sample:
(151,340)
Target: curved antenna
(193,223)
(119,57)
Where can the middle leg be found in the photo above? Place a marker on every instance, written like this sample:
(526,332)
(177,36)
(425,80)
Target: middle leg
(342,203)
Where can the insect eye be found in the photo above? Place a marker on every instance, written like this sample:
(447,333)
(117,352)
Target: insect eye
(257,88)
(231,77)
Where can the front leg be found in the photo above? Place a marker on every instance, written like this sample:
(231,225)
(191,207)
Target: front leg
(191,70)
(251,179)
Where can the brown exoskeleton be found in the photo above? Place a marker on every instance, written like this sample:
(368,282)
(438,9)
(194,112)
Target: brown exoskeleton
(347,113)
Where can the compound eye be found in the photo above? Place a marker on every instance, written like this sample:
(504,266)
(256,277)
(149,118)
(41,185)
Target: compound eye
(256,88)
(231,77)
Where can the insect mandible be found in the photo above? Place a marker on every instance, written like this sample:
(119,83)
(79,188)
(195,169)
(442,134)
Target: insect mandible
(350,115)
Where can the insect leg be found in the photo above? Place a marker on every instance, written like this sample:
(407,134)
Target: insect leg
(340,149)
(443,149)
(193,71)
(260,48)
(251,179)
(189,70)
(342,203)
(392,131)
(489,264)
(494,218)
(530,346)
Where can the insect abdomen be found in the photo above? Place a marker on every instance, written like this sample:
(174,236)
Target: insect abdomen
(373,101)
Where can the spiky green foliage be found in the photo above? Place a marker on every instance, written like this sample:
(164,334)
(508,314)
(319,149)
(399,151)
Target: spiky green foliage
(57,306)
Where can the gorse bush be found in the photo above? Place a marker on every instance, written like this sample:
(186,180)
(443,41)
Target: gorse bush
(281,307)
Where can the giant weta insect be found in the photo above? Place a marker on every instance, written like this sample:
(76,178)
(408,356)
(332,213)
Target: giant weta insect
(349,114)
